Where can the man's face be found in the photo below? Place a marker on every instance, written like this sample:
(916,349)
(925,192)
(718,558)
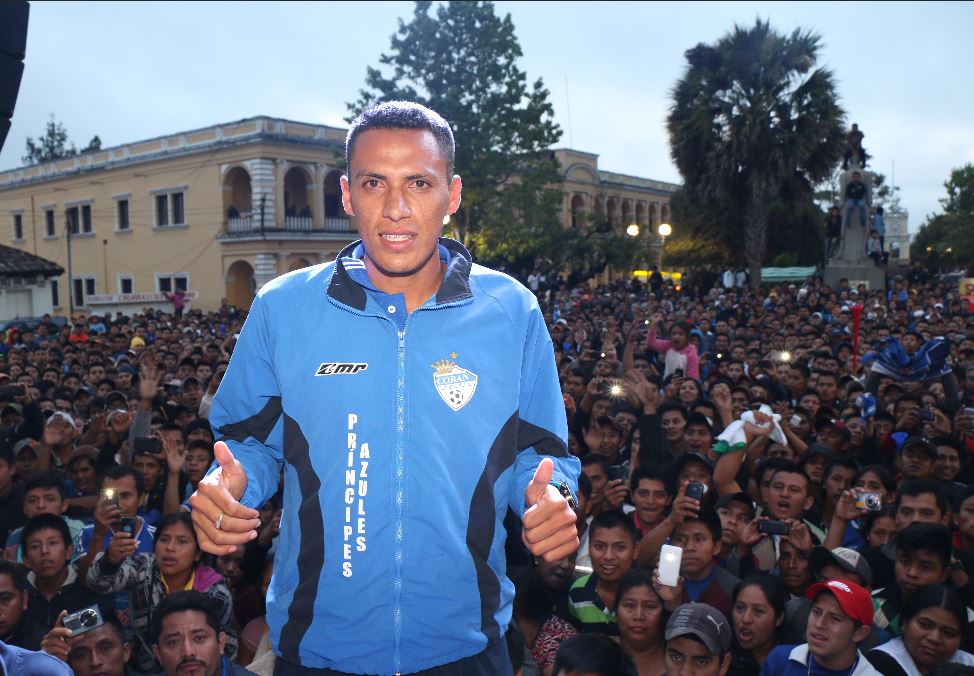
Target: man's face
(918,569)
(838,480)
(793,566)
(46,553)
(125,491)
(916,463)
(399,191)
(598,477)
(739,402)
(734,371)
(13,605)
(611,442)
(698,546)
(574,386)
(43,501)
(827,388)
(7,473)
(99,652)
(788,496)
(192,395)
(558,574)
(612,551)
(651,500)
(189,646)
(918,509)
(688,657)
(149,468)
(830,633)
(84,475)
(673,424)
(695,472)
(734,517)
(698,439)
(796,381)
(965,518)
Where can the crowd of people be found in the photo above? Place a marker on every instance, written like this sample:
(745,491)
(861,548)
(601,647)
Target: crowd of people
(824,519)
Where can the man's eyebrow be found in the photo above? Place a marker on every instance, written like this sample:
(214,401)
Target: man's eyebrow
(370,174)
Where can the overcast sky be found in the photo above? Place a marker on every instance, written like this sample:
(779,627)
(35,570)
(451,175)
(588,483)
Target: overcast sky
(130,71)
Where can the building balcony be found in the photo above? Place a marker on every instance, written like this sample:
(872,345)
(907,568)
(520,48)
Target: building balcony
(290,227)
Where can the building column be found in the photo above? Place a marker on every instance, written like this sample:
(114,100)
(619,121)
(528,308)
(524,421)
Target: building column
(280,169)
(265,268)
(318,197)
(262,185)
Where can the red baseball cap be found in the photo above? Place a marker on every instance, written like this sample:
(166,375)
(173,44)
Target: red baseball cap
(855,601)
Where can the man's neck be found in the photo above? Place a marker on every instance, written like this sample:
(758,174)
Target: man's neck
(49,586)
(416,288)
(836,662)
(606,591)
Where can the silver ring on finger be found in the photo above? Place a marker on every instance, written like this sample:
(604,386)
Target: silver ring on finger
(219,521)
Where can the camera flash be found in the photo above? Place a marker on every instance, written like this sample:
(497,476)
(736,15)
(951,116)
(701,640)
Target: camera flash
(786,356)
(670,557)
(615,390)
(646,322)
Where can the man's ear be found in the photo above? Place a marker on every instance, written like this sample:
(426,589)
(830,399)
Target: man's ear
(222,640)
(155,651)
(127,651)
(860,634)
(809,502)
(346,195)
(725,664)
(456,187)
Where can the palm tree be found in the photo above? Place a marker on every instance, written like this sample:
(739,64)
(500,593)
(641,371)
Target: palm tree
(751,123)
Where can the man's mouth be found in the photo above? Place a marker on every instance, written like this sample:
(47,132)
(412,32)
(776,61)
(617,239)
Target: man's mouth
(396,237)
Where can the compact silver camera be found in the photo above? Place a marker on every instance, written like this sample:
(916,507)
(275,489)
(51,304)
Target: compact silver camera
(871,502)
(84,620)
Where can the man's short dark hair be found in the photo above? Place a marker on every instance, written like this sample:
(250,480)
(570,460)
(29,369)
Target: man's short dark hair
(402,115)
(584,486)
(596,459)
(122,471)
(792,468)
(182,601)
(46,480)
(594,654)
(668,406)
(44,521)
(18,578)
(652,474)
(912,488)
(839,462)
(614,519)
(711,520)
(929,537)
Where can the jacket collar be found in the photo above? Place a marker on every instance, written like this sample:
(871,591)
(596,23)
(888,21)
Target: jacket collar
(800,654)
(70,579)
(455,285)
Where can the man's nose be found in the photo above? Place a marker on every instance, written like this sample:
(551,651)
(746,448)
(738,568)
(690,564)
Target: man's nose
(395,206)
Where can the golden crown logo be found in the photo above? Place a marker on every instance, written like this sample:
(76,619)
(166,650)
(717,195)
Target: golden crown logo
(443,366)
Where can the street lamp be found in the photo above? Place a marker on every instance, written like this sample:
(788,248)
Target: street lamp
(633,230)
(664,231)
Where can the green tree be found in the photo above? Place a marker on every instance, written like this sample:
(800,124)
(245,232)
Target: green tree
(947,239)
(54,145)
(461,61)
(754,123)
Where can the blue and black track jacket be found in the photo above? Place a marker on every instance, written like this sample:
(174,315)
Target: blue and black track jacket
(402,449)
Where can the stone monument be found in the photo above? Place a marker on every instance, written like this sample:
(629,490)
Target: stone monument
(850,261)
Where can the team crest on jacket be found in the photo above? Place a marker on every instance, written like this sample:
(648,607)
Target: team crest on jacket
(454,384)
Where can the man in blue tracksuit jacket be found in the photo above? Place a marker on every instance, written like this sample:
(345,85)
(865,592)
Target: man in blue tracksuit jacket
(409,396)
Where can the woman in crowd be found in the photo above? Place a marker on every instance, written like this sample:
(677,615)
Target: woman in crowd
(934,621)
(641,619)
(689,392)
(173,566)
(757,614)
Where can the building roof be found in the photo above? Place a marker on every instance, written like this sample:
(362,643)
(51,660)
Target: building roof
(17,263)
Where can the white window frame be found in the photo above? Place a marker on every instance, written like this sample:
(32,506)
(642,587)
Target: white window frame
(14,215)
(168,192)
(131,280)
(80,205)
(123,197)
(172,276)
(84,291)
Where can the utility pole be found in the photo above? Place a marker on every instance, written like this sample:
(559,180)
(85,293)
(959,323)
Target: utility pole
(67,232)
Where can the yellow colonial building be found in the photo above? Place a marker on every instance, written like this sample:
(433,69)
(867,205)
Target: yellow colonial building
(217,212)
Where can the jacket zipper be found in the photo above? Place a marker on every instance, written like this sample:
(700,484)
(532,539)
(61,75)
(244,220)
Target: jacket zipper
(400,471)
